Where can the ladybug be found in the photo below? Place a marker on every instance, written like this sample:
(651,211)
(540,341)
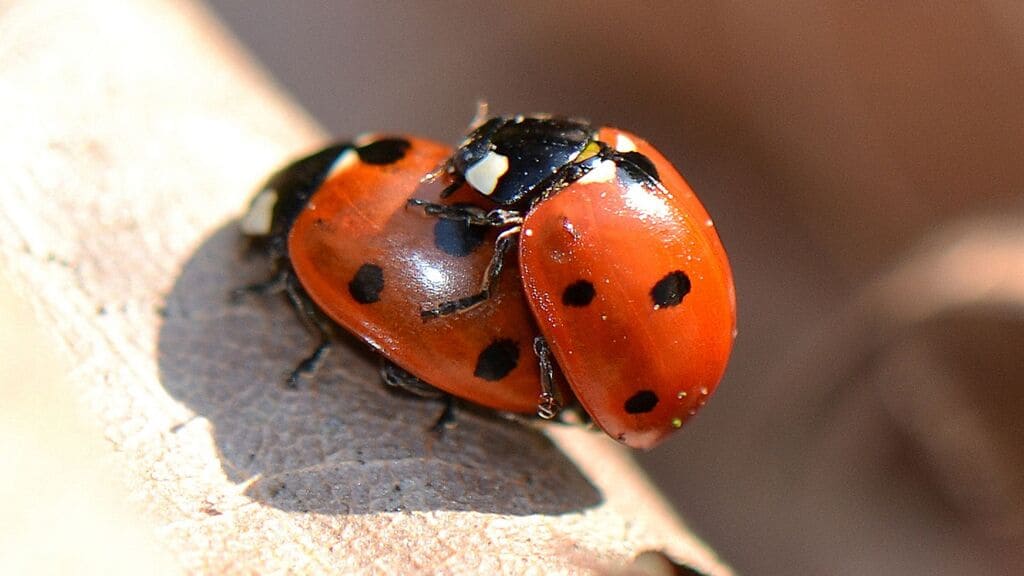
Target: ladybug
(347,252)
(620,263)
(599,246)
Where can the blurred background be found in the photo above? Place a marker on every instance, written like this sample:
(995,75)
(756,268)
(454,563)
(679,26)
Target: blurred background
(863,162)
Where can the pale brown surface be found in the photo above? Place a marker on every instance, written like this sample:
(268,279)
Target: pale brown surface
(64,506)
(132,133)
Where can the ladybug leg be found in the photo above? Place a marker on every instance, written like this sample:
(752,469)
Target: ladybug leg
(309,364)
(469,214)
(285,281)
(451,188)
(273,285)
(568,174)
(472,215)
(447,417)
(549,403)
(506,240)
(396,376)
(314,322)
(563,177)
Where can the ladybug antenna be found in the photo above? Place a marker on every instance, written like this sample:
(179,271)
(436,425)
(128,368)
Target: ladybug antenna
(442,169)
(482,112)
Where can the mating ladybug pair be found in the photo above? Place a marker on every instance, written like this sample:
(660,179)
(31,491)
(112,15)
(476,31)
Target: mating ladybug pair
(544,251)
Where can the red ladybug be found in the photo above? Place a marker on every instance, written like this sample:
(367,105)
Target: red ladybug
(621,265)
(346,250)
(621,270)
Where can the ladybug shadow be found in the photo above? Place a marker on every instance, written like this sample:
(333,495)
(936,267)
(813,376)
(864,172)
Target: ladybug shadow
(340,442)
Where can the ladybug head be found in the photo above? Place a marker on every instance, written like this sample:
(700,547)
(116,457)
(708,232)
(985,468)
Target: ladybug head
(507,157)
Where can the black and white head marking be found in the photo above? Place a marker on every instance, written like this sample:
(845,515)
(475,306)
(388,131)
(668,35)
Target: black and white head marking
(507,158)
(275,208)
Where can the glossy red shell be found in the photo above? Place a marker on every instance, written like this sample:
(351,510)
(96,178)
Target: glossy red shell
(639,368)
(359,217)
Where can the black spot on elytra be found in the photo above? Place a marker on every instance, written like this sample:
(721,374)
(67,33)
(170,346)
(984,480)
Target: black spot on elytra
(457,237)
(638,166)
(642,402)
(497,360)
(366,286)
(580,293)
(385,151)
(669,291)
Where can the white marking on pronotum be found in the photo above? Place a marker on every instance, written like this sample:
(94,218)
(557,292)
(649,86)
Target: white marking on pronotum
(603,172)
(260,217)
(624,144)
(348,159)
(483,176)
